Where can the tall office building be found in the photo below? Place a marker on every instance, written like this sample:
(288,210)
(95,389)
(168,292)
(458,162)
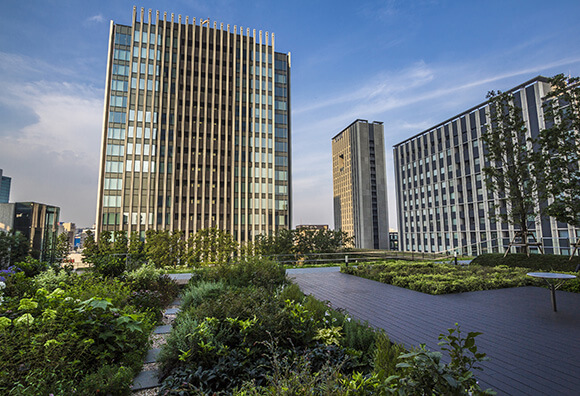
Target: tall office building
(5,182)
(360,183)
(196,129)
(37,222)
(442,200)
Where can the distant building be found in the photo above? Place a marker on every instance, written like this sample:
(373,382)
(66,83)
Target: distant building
(196,130)
(442,200)
(393,240)
(359,184)
(312,227)
(69,229)
(37,222)
(5,182)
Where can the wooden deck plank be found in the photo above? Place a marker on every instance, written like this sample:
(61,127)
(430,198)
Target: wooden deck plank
(532,350)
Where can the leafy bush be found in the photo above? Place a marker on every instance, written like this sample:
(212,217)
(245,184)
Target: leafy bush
(31,266)
(51,340)
(195,293)
(144,277)
(51,279)
(423,373)
(147,277)
(385,355)
(147,301)
(536,262)
(435,278)
(109,266)
(108,380)
(250,271)
(90,285)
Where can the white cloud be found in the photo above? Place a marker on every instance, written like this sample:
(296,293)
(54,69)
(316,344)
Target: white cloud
(54,157)
(408,101)
(96,19)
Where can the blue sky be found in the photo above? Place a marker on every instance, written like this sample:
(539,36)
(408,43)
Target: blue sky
(410,64)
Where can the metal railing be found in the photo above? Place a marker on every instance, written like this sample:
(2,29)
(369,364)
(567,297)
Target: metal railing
(350,257)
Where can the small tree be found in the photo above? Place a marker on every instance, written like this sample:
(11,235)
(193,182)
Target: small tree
(558,159)
(136,250)
(62,248)
(90,248)
(210,245)
(14,248)
(157,248)
(509,150)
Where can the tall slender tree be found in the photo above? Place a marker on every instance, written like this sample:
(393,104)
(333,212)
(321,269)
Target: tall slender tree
(508,172)
(558,166)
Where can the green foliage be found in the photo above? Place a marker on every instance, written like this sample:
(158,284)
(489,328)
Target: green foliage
(109,266)
(302,242)
(536,262)
(195,293)
(147,301)
(136,251)
(251,271)
(423,373)
(436,278)
(53,340)
(14,247)
(558,158)
(150,279)
(90,285)
(211,246)
(509,152)
(90,247)
(31,266)
(62,248)
(385,355)
(108,380)
(51,279)
(164,248)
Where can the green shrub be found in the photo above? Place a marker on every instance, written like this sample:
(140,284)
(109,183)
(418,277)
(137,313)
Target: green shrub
(536,262)
(143,277)
(291,292)
(252,271)
(386,354)
(147,301)
(423,373)
(195,293)
(437,278)
(109,266)
(31,266)
(108,380)
(51,279)
(50,339)
(90,285)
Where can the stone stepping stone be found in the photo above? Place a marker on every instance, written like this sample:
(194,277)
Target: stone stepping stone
(177,302)
(152,355)
(171,311)
(164,329)
(146,380)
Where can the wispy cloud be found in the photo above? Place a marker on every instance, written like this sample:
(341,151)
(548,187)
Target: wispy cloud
(52,153)
(96,19)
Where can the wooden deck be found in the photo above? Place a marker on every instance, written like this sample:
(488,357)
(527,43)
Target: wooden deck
(532,350)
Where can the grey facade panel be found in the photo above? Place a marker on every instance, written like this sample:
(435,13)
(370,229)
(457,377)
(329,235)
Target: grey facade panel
(443,203)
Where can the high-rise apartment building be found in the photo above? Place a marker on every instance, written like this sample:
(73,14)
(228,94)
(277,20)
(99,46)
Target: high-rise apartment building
(442,200)
(359,184)
(196,129)
(5,182)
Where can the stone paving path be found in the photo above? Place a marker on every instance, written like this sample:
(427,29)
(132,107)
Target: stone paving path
(532,350)
(148,378)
